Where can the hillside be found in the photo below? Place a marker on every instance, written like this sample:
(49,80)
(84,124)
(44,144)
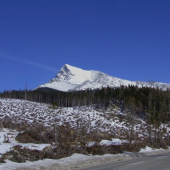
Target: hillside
(65,131)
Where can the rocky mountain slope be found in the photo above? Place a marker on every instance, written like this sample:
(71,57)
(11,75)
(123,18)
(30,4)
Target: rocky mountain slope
(72,78)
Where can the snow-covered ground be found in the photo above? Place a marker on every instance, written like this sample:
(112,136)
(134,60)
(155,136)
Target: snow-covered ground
(10,135)
(149,149)
(72,162)
(32,113)
(114,141)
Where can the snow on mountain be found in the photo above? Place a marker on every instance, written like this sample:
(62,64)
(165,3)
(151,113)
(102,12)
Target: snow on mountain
(71,78)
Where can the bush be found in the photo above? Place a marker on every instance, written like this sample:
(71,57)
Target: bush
(30,136)
(102,149)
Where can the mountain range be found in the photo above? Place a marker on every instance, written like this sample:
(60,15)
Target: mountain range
(71,78)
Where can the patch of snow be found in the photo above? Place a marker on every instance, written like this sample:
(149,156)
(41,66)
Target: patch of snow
(114,141)
(11,134)
(149,149)
(73,159)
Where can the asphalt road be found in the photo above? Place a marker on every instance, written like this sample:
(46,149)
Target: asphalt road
(153,162)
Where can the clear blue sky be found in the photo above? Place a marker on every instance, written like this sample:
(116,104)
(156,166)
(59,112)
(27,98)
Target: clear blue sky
(129,39)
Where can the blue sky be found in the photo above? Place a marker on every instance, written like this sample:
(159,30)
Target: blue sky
(129,39)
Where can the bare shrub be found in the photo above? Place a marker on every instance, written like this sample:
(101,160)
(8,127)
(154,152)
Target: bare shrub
(30,136)
(103,149)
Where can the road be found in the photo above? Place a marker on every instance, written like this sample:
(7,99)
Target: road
(153,162)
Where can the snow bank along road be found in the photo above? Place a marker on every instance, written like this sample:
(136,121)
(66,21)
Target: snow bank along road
(154,161)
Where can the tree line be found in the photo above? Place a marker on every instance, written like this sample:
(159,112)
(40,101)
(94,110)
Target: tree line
(148,103)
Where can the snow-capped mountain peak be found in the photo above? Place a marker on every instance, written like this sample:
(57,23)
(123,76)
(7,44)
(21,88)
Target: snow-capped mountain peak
(71,78)
(73,74)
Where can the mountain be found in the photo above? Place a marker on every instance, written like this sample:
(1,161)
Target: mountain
(71,78)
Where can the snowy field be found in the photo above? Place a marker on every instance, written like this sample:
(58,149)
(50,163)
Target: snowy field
(32,113)
(38,113)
